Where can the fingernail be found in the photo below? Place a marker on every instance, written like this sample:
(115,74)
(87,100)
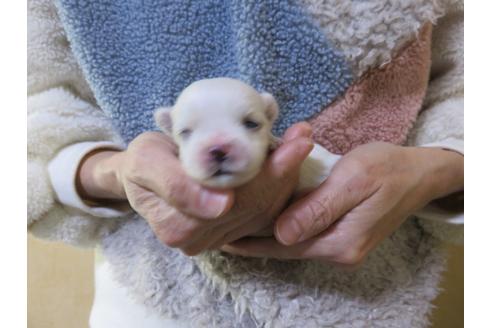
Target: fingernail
(307,144)
(307,131)
(305,147)
(288,232)
(213,204)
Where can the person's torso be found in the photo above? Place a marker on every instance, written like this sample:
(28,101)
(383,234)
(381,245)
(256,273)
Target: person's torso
(322,60)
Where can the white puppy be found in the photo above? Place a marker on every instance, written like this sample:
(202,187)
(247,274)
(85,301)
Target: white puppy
(223,127)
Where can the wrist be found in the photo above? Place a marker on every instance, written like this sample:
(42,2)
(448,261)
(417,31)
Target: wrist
(97,177)
(444,171)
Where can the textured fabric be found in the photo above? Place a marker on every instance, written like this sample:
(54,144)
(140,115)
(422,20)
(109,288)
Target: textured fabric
(446,80)
(50,62)
(370,33)
(137,58)
(383,105)
(61,111)
(393,289)
(57,119)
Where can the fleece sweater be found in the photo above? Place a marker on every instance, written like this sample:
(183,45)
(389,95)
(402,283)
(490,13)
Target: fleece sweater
(83,98)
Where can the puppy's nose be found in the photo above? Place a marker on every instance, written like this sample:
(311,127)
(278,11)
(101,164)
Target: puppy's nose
(218,153)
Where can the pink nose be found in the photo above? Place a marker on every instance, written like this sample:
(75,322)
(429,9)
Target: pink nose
(218,153)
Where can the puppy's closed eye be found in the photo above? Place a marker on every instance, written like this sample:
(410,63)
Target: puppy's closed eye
(251,124)
(185,133)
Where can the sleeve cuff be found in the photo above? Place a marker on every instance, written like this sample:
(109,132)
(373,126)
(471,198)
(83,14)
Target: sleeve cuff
(435,213)
(452,144)
(432,211)
(63,173)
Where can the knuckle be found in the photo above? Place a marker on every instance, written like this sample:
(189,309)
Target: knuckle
(139,154)
(321,216)
(351,257)
(175,186)
(138,200)
(183,236)
(170,235)
(176,191)
(226,238)
(191,251)
(360,182)
(358,165)
(172,239)
(363,167)
(138,146)
(135,167)
(230,237)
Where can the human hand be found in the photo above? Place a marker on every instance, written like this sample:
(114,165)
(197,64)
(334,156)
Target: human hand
(369,194)
(182,213)
(258,203)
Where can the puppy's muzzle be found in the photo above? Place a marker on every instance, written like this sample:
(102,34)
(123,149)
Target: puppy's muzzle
(218,153)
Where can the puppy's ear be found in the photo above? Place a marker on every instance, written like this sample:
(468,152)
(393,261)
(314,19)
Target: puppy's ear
(162,117)
(271,106)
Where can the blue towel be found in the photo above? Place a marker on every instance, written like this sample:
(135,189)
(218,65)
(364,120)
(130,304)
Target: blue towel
(138,55)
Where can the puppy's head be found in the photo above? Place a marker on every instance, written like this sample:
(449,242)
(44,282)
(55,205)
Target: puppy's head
(223,129)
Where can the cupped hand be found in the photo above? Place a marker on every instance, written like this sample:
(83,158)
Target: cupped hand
(182,213)
(258,203)
(368,195)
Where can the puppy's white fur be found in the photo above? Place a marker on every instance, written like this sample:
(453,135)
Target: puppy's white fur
(223,129)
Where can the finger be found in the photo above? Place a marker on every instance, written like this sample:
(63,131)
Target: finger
(315,249)
(173,228)
(315,212)
(230,234)
(226,236)
(298,130)
(200,244)
(214,237)
(288,157)
(164,175)
(271,248)
(337,245)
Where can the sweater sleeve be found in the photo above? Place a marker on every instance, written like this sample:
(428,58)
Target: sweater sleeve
(61,111)
(63,171)
(441,123)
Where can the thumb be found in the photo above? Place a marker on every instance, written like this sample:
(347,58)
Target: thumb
(301,129)
(166,178)
(193,199)
(317,211)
